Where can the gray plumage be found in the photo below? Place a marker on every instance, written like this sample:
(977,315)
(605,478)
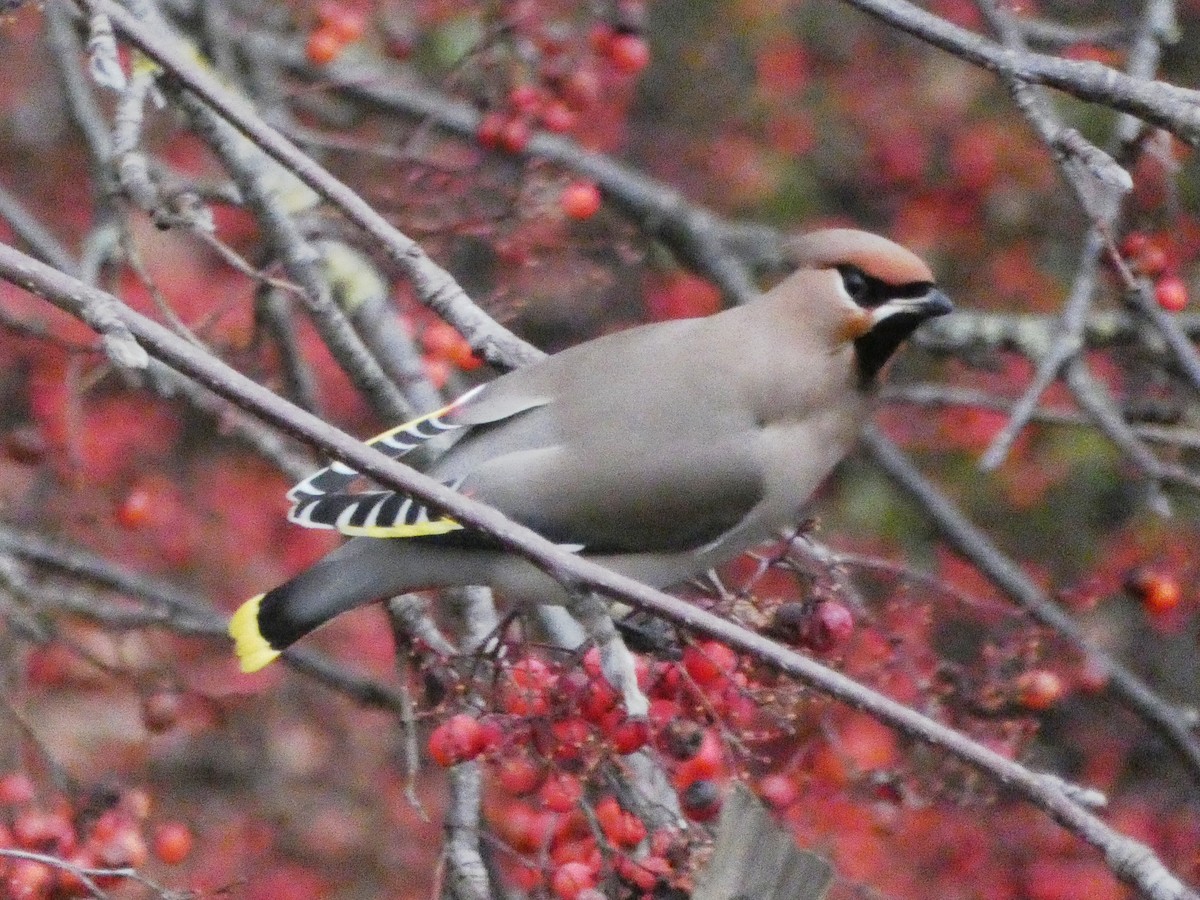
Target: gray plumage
(660,451)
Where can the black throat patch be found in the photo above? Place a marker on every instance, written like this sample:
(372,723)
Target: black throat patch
(876,347)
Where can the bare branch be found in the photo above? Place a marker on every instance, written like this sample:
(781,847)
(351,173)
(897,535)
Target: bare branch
(1175,724)
(1173,108)
(434,285)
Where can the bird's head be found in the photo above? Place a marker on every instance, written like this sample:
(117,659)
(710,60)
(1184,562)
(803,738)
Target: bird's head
(885,290)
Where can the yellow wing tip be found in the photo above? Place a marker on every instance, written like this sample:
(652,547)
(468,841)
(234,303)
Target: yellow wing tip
(421,529)
(251,647)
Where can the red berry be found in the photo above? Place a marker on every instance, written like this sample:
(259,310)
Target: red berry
(624,829)
(44,832)
(568,848)
(600,38)
(630,734)
(136,804)
(108,824)
(525,829)
(348,24)
(829,625)
(491,735)
(598,698)
(561,792)
(456,740)
(525,99)
(620,826)
(514,136)
(172,842)
(16,789)
(160,710)
(569,738)
(463,356)
(440,338)
(125,848)
(137,509)
(608,812)
(778,791)
(1171,293)
(1157,591)
(1040,689)
(1152,261)
(1133,244)
(1162,594)
(709,662)
(645,873)
(628,53)
(580,89)
(68,884)
(519,775)
(580,200)
(593,665)
(487,132)
(525,878)
(571,879)
(558,117)
(324,45)
(531,672)
(28,880)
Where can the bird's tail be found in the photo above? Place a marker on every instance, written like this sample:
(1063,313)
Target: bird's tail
(361,570)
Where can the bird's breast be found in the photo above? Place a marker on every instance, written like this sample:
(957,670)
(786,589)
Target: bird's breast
(797,456)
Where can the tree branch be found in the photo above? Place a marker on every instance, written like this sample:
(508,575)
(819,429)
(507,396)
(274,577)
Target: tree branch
(434,285)
(1170,107)
(1174,723)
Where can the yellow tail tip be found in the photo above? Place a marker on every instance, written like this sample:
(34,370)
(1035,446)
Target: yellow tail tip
(251,647)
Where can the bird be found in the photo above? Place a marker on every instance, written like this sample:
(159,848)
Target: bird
(660,451)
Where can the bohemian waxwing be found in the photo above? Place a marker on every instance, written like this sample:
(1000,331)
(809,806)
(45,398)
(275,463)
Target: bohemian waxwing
(660,452)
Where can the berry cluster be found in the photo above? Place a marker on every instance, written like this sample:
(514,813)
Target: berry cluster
(338,25)
(102,833)
(554,736)
(1158,588)
(445,350)
(565,78)
(1148,256)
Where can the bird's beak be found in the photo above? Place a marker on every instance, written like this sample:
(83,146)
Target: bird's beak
(929,305)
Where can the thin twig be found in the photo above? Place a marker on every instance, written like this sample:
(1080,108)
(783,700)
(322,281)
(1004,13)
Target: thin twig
(940,395)
(1174,723)
(44,245)
(1157,102)
(1065,345)
(434,285)
(696,236)
(176,609)
(298,257)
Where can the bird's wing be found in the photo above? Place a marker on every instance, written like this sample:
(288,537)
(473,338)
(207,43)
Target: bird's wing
(326,499)
(599,447)
(600,491)
(605,499)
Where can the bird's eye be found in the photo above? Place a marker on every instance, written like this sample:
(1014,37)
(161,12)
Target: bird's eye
(856,283)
